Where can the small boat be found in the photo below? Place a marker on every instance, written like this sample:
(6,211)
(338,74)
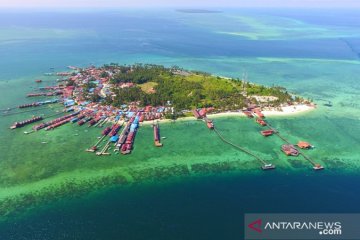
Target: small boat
(38,80)
(318,167)
(268,166)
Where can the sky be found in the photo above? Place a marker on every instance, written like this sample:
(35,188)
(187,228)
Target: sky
(177,3)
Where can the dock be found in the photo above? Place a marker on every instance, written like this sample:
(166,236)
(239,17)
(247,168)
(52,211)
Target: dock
(264,165)
(113,138)
(156,129)
(94,147)
(315,165)
(209,123)
(105,148)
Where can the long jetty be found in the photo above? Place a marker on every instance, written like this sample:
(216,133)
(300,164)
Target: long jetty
(202,115)
(259,115)
(264,165)
(315,165)
(113,132)
(156,129)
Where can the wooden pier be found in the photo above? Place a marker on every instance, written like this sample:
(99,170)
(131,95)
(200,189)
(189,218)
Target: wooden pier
(103,151)
(93,148)
(264,165)
(315,165)
(156,129)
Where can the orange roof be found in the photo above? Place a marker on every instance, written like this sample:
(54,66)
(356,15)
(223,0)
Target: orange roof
(304,144)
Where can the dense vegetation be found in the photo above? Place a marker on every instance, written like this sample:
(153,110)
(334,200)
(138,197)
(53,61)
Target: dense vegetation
(183,89)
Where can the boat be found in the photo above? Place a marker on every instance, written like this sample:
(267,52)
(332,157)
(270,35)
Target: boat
(290,150)
(267,133)
(38,80)
(318,167)
(268,166)
(329,104)
(261,122)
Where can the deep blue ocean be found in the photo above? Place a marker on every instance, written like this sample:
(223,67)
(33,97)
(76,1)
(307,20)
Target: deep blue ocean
(260,42)
(209,207)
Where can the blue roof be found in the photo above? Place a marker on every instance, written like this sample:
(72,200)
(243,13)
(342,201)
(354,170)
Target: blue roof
(114,138)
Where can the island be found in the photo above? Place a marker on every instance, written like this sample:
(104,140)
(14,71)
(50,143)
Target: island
(127,95)
(173,92)
(109,111)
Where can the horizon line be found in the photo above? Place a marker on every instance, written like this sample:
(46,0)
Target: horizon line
(173,7)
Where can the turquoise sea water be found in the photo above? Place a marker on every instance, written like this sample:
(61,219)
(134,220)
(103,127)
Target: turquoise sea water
(312,53)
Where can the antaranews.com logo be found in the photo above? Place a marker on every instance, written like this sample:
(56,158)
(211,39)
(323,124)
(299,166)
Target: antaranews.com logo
(302,226)
(324,228)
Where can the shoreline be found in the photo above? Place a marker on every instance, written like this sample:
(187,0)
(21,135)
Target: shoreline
(286,111)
